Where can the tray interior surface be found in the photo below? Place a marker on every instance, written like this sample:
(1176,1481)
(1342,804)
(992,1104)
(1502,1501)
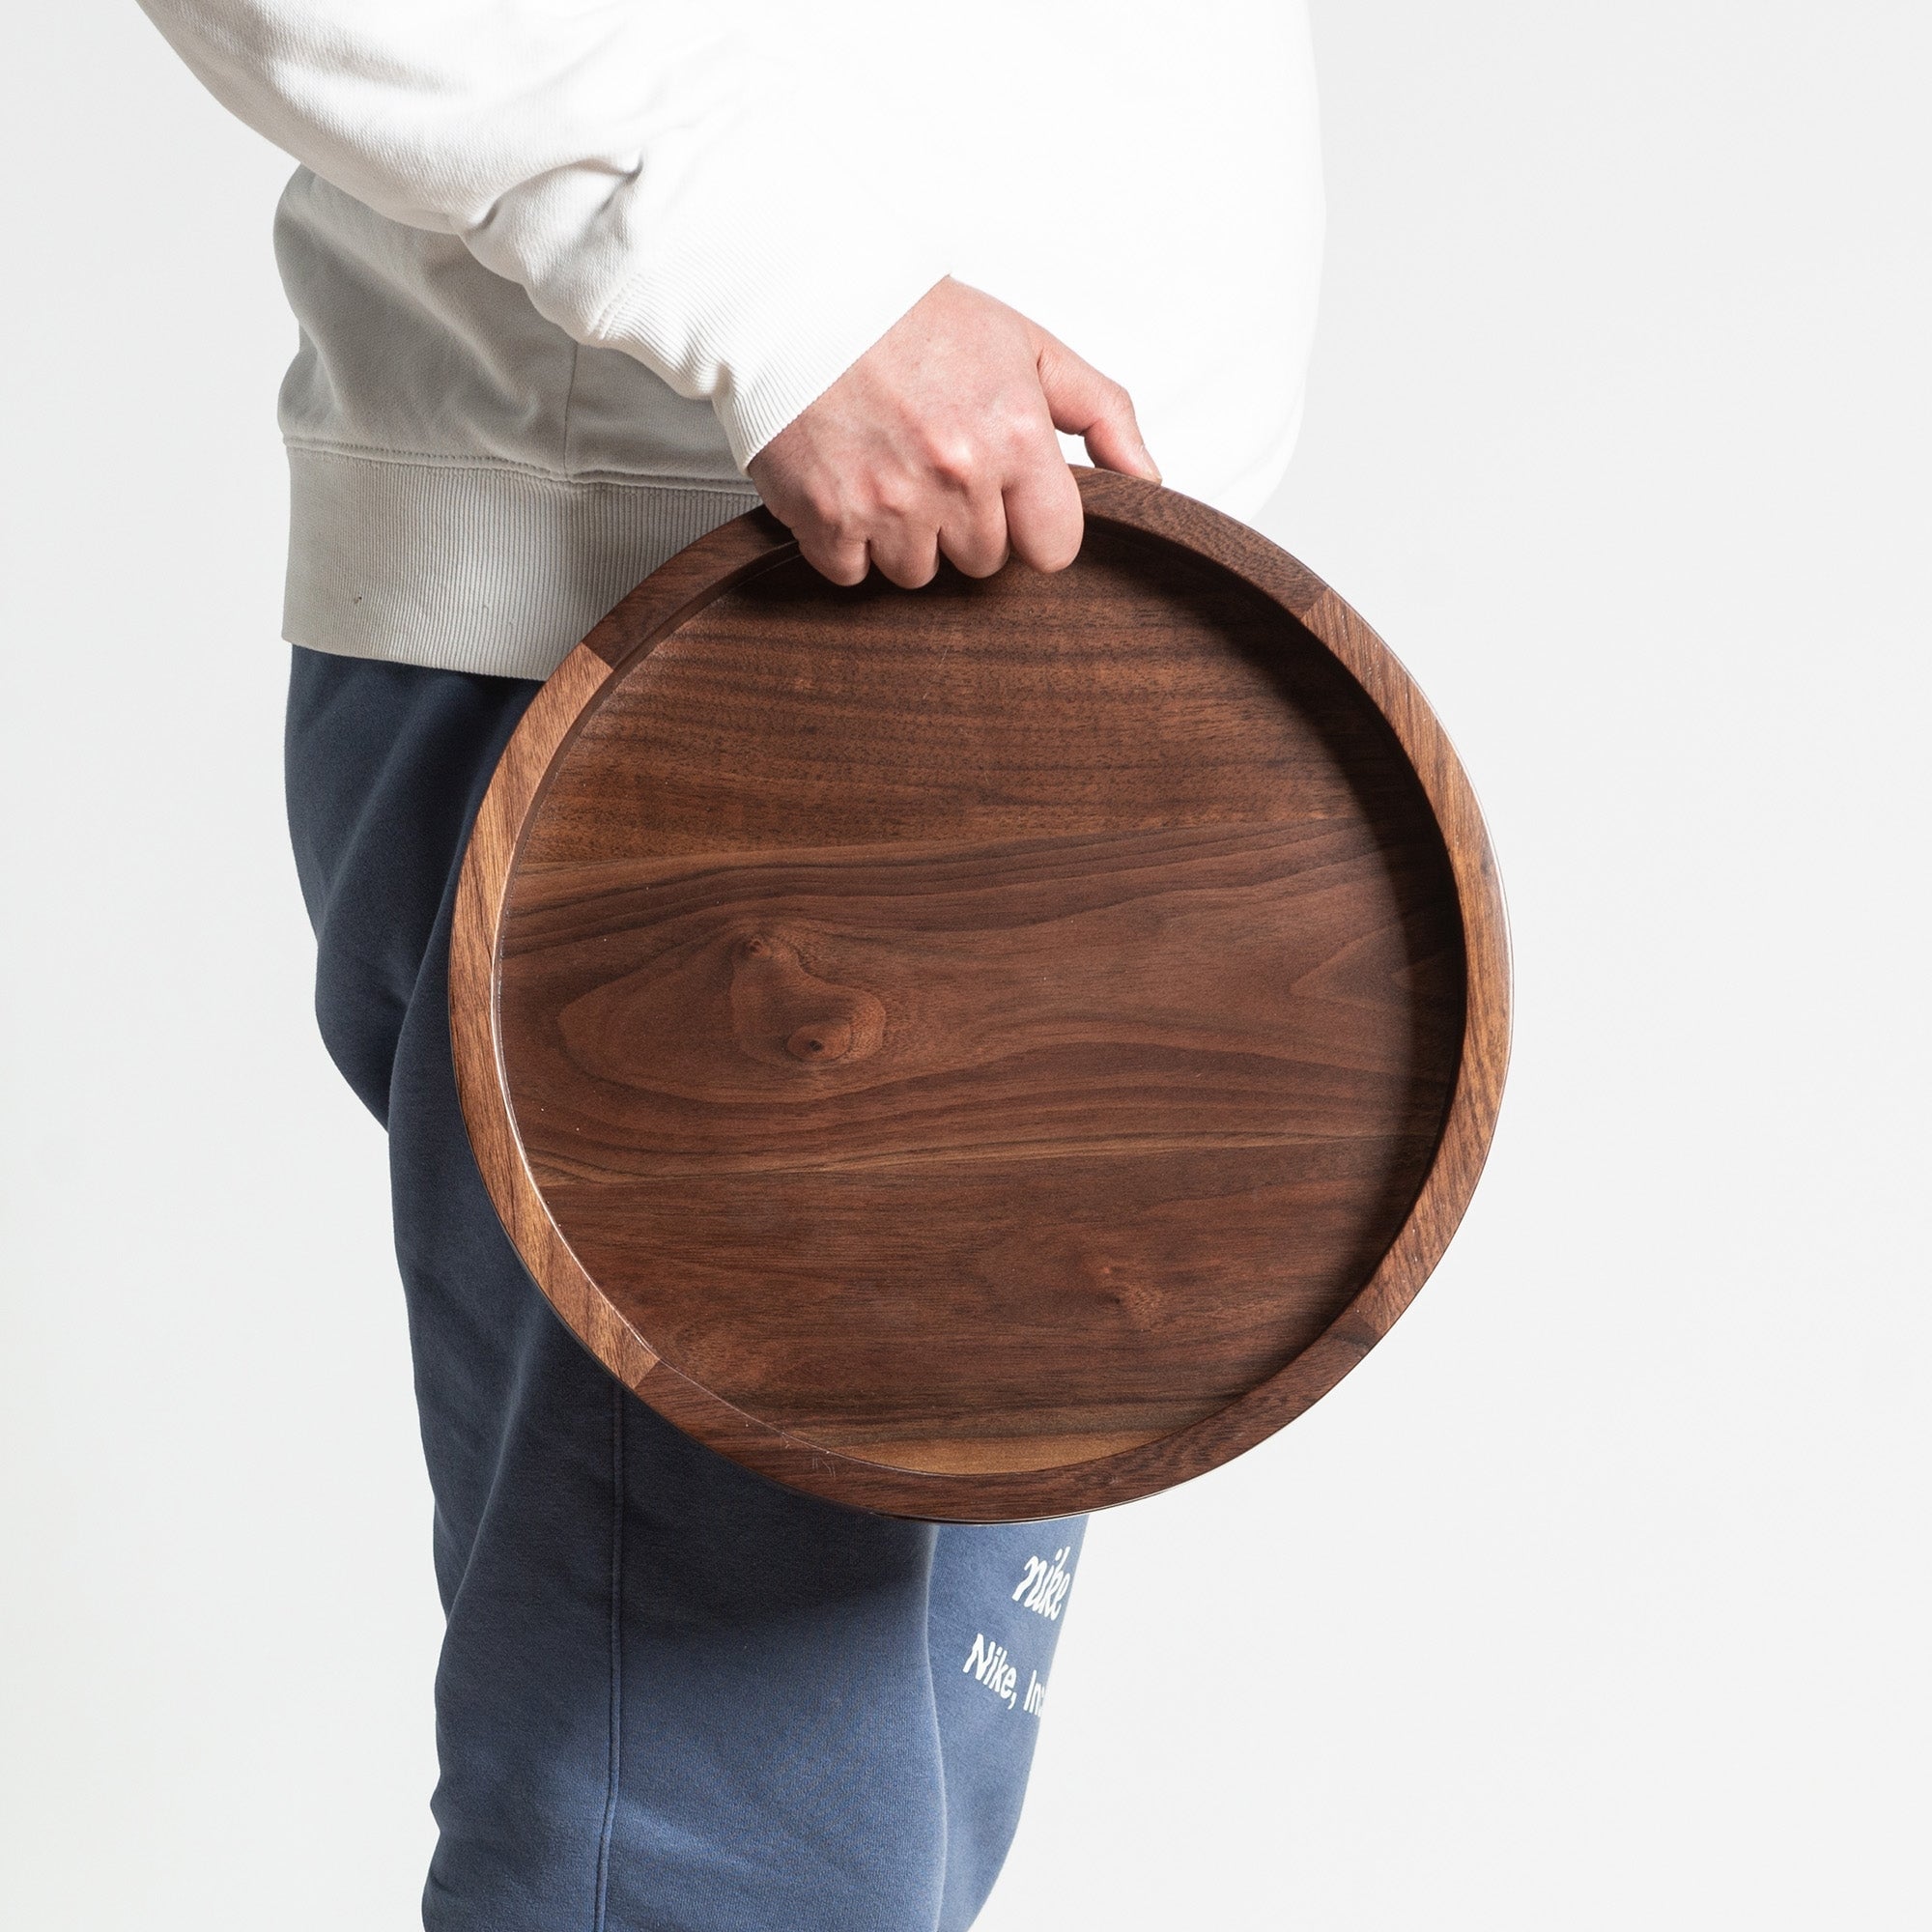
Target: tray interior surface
(989,1029)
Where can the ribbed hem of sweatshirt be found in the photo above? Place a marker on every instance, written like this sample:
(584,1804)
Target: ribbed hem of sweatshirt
(474,567)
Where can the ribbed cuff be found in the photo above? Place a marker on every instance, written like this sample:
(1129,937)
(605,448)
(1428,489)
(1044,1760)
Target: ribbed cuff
(791,338)
(468,567)
(804,363)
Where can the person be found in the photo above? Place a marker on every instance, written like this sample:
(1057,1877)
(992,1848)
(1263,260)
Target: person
(576,283)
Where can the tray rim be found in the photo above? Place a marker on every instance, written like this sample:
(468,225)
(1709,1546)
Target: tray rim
(731,555)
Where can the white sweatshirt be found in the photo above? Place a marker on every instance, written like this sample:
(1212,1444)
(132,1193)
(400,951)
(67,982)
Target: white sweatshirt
(564,267)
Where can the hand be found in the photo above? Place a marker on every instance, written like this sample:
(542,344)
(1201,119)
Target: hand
(940,439)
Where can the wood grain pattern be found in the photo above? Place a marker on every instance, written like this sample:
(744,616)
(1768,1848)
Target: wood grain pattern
(986,1051)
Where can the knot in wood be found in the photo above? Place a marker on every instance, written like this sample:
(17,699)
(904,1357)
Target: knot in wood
(786,1014)
(831,1039)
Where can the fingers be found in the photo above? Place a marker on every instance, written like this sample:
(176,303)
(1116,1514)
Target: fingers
(910,558)
(1036,518)
(972,538)
(844,559)
(1045,519)
(974,534)
(1086,404)
(907,552)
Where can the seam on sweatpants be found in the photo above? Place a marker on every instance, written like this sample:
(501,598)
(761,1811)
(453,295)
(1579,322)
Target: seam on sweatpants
(938,1746)
(617,1756)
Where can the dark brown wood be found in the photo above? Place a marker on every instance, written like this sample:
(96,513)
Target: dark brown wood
(989,1051)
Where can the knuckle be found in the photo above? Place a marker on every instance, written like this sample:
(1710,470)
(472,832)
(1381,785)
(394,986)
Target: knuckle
(846,530)
(894,496)
(954,458)
(1018,435)
(822,507)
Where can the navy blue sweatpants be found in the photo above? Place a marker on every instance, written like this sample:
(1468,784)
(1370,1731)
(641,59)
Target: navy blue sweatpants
(672,1698)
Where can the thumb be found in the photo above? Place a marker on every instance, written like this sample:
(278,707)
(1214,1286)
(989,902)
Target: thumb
(1086,404)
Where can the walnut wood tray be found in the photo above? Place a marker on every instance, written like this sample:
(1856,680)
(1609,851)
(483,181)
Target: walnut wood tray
(988,1051)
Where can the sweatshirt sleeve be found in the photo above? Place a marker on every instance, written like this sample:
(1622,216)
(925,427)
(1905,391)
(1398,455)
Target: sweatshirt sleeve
(716,190)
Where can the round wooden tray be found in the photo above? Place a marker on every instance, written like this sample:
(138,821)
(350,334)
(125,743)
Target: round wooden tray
(988,1051)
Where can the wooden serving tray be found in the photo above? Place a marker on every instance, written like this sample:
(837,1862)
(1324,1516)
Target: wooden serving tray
(988,1051)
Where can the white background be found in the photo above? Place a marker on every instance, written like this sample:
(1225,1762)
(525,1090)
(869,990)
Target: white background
(1597,1597)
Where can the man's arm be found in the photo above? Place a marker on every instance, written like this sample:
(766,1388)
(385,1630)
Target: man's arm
(655,174)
